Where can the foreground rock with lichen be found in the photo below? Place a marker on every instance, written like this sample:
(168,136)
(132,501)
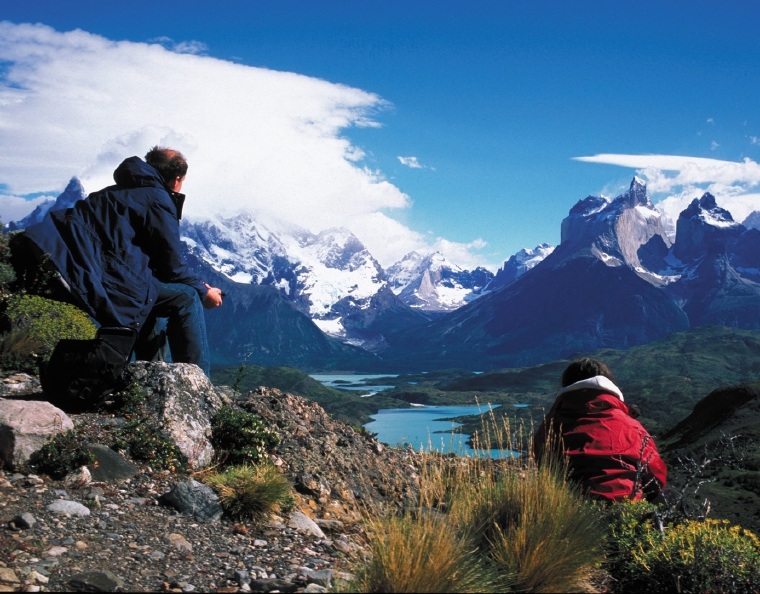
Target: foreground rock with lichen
(134,539)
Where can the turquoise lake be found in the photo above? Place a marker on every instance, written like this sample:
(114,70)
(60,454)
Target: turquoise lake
(424,427)
(420,427)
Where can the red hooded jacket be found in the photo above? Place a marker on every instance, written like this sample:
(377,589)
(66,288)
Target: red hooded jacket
(602,441)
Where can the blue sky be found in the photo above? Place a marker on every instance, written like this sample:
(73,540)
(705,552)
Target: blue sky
(493,99)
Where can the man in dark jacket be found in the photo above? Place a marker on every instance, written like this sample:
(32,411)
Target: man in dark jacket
(120,254)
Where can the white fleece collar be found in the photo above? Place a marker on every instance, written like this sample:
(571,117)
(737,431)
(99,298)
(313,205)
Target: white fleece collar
(598,382)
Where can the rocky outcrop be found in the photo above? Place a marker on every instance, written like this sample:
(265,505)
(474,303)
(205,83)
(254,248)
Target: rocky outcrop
(74,531)
(25,426)
(180,400)
(338,471)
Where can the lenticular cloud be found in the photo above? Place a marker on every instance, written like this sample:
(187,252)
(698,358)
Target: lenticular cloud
(676,180)
(264,141)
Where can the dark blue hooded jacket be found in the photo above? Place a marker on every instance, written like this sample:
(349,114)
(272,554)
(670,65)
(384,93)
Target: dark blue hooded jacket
(117,245)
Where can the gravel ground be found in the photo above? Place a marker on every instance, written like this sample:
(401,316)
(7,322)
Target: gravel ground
(148,546)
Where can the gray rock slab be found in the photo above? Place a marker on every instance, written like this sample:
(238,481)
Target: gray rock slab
(61,506)
(24,521)
(330,525)
(95,492)
(95,581)
(322,577)
(196,499)
(181,401)
(25,426)
(110,466)
(300,521)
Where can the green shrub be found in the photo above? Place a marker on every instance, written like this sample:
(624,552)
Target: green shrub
(251,492)
(141,441)
(129,401)
(7,275)
(693,556)
(48,321)
(64,453)
(240,438)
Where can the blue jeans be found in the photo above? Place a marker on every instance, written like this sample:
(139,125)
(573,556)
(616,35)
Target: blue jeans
(178,318)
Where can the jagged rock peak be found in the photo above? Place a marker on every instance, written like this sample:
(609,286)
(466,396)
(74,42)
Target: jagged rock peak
(636,195)
(74,191)
(753,220)
(589,206)
(706,209)
(704,227)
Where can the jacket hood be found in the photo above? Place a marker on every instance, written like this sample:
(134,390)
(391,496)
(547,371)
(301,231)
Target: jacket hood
(598,382)
(136,173)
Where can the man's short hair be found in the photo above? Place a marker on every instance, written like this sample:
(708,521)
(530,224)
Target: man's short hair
(585,368)
(169,163)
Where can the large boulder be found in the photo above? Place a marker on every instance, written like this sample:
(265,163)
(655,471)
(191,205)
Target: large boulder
(180,400)
(25,426)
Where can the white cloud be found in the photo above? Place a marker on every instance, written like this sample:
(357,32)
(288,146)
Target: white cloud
(710,121)
(181,47)
(411,162)
(14,208)
(76,104)
(674,181)
(753,139)
(713,145)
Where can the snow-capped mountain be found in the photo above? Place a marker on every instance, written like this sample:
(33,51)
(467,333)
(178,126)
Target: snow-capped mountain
(329,276)
(433,284)
(73,192)
(519,264)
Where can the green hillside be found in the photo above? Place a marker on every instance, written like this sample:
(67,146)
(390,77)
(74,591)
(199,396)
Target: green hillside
(734,487)
(665,379)
(341,404)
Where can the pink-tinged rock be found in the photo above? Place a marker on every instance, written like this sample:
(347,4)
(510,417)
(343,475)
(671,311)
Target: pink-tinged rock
(25,426)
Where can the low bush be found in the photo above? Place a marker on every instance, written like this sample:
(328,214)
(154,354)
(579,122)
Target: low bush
(141,441)
(251,492)
(62,454)
(691,556)
(240,438)
(129,401)
(47,322)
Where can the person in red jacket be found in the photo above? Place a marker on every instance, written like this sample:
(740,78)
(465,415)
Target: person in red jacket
(607,450)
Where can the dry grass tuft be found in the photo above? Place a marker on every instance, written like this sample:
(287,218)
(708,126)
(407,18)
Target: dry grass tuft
(251,492)
(420,555)
(487,525)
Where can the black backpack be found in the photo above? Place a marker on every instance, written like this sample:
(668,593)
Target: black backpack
(80,373)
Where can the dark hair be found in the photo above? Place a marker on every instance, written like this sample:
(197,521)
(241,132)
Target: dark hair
(169,163)
(585,368)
